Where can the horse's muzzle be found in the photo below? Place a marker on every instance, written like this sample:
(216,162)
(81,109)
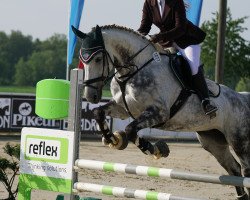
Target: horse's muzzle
(93,95)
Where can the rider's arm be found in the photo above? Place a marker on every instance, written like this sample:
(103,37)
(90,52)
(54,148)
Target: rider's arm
(180,22)
(146,21)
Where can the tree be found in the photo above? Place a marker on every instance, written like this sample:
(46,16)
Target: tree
(243,85)
(47,61)
(24,62)
(12,48)
(237,50)
(23,75)
(3,62)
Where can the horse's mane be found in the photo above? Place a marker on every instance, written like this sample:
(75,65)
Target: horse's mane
(123,28)
(129,30)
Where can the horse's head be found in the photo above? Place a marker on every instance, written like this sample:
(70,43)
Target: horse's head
(95,60)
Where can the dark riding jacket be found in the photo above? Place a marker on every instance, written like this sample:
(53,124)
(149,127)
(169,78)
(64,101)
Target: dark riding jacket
(174,26)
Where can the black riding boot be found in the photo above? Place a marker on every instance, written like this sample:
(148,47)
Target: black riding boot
(201,88)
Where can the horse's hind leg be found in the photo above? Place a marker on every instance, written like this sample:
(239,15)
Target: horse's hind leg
(214,142)
(241,146)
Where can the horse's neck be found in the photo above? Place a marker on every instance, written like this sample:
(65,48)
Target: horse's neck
(123,45)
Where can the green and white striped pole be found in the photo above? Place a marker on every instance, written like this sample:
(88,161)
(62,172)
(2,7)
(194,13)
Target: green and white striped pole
(125,192)
(162,172)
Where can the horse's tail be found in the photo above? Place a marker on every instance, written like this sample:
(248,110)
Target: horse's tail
(247,96)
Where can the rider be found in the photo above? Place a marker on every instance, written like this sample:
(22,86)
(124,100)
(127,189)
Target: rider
(177,31)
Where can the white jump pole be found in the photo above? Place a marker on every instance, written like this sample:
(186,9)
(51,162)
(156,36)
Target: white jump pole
(162,172)
(128,193)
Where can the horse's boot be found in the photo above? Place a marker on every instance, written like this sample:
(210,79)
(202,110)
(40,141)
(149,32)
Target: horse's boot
(200,86)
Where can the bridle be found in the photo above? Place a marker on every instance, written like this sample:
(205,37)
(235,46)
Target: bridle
(102,78)
(106,59)
(122,80)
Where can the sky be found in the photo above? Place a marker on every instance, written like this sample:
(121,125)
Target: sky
(42,19)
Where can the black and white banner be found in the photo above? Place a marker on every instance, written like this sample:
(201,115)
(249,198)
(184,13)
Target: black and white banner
(18,111)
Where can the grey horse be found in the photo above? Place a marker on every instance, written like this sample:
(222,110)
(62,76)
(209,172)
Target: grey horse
(144,87)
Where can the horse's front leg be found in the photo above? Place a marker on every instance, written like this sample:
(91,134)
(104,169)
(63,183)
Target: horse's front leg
(114,110)
(151,117)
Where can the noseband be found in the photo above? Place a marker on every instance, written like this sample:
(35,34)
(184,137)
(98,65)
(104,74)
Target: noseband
(106,57)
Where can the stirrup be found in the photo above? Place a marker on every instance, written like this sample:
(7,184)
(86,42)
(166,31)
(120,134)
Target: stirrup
(208,108)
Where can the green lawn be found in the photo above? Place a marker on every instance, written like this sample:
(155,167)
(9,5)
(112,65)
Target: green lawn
(14,89)
(106,93)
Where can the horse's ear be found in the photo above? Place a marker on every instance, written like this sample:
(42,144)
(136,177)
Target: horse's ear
(78,33)
(98,32)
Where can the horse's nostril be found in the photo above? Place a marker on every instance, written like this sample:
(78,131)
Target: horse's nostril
(95,97)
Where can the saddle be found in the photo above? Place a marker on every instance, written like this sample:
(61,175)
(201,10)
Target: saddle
(182,71)
(179,65)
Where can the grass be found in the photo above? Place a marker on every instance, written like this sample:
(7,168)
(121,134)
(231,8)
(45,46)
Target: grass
(106,93)
(32,90)
(15,89)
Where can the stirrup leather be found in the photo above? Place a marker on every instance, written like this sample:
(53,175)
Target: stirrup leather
(208,108)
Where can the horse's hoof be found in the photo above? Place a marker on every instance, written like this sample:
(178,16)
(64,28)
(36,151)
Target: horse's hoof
(161,149)
(109,139)
(104,141)
(121,141)
(243,197)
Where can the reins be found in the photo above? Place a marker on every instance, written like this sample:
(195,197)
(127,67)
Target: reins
(106,56)
(179,102)
(123,83)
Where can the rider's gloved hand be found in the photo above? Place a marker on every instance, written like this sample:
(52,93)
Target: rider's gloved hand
(156,37)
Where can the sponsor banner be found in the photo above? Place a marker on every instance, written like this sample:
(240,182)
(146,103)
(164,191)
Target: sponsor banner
(18,111)
(23,115)
(5,104)
(47,152)
(88,123)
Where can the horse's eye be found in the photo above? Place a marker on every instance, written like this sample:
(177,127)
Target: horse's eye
(97,60)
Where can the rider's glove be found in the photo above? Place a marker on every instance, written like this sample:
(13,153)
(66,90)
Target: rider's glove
(156,38)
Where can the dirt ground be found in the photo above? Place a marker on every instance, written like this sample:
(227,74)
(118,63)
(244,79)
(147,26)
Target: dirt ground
(185,156)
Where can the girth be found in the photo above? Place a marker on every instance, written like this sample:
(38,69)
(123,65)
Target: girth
(123,83)
(181,99)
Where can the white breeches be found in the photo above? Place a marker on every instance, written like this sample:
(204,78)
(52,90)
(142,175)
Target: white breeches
(192,55)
